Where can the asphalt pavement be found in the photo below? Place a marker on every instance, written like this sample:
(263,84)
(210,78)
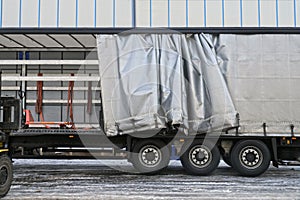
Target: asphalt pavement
(94,179)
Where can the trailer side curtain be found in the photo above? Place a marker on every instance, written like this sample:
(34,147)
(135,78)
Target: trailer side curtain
(155,81)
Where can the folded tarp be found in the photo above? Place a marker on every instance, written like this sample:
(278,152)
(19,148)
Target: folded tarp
(153,81)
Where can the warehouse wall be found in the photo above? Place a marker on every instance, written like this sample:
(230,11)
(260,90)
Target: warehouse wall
(156,13)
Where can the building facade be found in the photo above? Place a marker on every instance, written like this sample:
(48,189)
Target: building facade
(149,13)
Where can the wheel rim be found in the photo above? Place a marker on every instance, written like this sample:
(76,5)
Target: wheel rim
(3,175)
(200,156)
(150,156)
(251,157)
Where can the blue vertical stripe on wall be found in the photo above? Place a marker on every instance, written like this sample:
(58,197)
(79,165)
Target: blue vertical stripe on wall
(169,13)
(1,9)
(114,13)
(276,13)
(223,13)
(150,13)
(39,13)
(133,11)
(204,12)
(76,17)
(258,12)
(95,13)
(295,13)
(187,13)
(20,14)
(57,13)
(241,13)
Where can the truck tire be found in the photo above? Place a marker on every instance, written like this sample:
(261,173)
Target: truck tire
(6,175)
(201,159)
(226,159)
(250,157)
(150,156)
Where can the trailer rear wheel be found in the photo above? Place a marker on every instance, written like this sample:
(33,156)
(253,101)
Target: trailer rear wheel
(6,175)
(250,157)
(201,158)
(150,156)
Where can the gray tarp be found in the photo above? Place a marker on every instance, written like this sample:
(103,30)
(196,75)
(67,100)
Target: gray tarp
(151,81)
(263,77)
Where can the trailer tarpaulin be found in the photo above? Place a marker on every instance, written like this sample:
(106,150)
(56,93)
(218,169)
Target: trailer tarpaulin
(153,81)
(263,76)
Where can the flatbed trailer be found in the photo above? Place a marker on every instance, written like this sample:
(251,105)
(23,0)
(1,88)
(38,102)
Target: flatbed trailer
(96,140)
(56,140)
(249,154)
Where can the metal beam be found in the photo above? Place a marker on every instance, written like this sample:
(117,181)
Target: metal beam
(61,101)
(34,40)
(34,88)
(49,62)
(10,88)
(72,49)
(18,43)
(55,40)
(212,30)
(2,46)
(76,40)
(54,78)
(58,88)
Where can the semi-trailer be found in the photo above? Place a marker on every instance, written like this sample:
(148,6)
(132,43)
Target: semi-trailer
(195,96)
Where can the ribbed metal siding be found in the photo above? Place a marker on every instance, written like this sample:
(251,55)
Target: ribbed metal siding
(149,13)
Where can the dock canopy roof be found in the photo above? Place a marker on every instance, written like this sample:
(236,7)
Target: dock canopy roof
(84,38)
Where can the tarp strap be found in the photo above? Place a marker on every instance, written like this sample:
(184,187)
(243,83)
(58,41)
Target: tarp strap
(70,102)
(39,100)
(89,98)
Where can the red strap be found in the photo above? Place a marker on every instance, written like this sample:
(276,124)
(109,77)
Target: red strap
(70,102)
(39,100)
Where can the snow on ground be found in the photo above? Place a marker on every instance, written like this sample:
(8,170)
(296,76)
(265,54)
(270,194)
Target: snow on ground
(94,179)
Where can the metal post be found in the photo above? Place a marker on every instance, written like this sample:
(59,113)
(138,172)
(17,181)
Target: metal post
(0,83)
(23,85)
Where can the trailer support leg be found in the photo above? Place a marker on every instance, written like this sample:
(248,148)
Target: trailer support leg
(275,154)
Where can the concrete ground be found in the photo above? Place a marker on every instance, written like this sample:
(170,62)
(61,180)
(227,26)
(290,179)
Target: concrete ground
(94,179)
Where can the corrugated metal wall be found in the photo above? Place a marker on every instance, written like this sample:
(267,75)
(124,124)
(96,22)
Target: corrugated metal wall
(149,13)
